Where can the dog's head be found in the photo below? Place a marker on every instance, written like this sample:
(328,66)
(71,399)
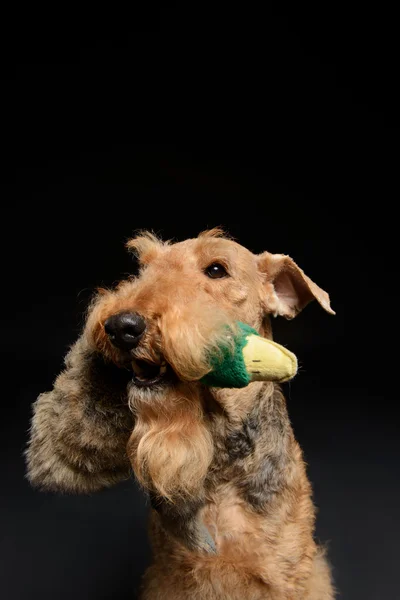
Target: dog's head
(165,322)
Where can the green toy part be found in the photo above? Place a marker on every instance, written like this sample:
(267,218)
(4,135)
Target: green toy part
(253,358)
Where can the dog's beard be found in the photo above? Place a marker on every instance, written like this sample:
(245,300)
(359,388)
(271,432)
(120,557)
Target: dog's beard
(170,447)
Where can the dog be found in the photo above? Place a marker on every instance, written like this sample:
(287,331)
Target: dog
(232,516)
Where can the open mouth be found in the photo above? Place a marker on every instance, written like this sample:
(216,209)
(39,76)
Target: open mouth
(147,374)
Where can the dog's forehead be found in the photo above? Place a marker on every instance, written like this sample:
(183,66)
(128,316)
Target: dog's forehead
(209,248)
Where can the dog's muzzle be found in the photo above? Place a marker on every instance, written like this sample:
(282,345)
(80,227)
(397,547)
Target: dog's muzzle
(125,330)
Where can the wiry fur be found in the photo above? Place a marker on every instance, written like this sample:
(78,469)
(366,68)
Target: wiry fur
(171,446)
(232,513)
(80,429)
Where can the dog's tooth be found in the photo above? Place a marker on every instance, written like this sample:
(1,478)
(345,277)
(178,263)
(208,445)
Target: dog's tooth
(163,368)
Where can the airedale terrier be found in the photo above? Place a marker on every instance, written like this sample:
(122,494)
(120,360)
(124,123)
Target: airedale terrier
(232,515)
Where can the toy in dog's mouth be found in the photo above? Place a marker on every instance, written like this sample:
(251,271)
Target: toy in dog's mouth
(146,374)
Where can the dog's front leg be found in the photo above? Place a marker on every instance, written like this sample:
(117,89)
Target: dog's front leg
(183,521)
(80,428)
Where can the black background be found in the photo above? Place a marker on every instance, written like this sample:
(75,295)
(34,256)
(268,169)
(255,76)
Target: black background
(284,129)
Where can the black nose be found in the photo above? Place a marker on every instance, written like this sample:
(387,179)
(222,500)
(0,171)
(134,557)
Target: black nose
(125,329)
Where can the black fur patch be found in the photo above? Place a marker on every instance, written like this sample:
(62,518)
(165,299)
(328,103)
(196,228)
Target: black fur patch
(241,442)
(259,450)
(182,521)
(266,481)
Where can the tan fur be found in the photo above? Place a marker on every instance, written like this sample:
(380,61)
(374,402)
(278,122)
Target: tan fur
(170,447)
(233,516)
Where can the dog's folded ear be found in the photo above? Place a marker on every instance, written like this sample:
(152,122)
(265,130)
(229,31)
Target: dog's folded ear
(288,289)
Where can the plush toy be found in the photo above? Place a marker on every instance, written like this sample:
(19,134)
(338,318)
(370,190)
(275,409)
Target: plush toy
(253,358)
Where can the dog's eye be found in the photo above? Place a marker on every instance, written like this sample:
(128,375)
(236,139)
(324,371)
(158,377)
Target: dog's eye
(216,271)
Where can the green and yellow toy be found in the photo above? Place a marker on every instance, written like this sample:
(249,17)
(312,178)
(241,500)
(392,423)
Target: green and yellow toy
(252,358)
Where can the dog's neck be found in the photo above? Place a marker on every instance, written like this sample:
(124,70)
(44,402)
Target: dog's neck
(238,404)
(254,442)
(193,436)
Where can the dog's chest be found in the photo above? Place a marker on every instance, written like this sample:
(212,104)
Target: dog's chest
(230,521)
